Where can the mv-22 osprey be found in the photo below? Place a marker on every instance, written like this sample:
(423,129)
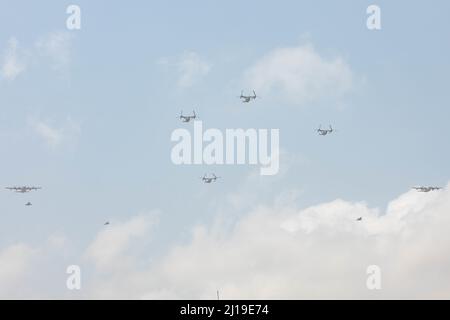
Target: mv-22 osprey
(213,178)
(324,132)
(188,118)
(247,99)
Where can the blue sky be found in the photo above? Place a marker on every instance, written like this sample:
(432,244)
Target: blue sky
(90,115)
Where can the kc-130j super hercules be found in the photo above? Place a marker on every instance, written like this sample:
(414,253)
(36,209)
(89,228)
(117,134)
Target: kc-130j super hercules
(426,189)
(23,189)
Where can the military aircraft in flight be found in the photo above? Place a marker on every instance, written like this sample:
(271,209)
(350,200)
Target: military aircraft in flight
(28,204)
(426,189)
(188,118)
(210,179)
(23,189)
(324,132)
(247,99)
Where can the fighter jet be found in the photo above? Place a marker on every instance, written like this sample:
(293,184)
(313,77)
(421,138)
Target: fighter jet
(209,179)
(28,204)
(106,223)
(359,219)
(247,99)
(188,118)
(426,189)
(23,189)
(324,132)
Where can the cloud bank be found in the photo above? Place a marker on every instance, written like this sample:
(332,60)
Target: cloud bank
(300,75)
(277,251)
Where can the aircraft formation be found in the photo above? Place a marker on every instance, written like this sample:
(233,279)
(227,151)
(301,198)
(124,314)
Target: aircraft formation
(24,189)
(322,132)
(213,178)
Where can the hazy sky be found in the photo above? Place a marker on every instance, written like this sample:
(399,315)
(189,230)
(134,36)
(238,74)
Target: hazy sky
(87,114)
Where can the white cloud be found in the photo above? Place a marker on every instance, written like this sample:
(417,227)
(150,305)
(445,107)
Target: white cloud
(56,47)
(55,137)
(118,254)
(281,251)
(190,67)
(57,241)
(319,252)
(300,75)
(13,64)
(34,271)
(14,265)
(109,249)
